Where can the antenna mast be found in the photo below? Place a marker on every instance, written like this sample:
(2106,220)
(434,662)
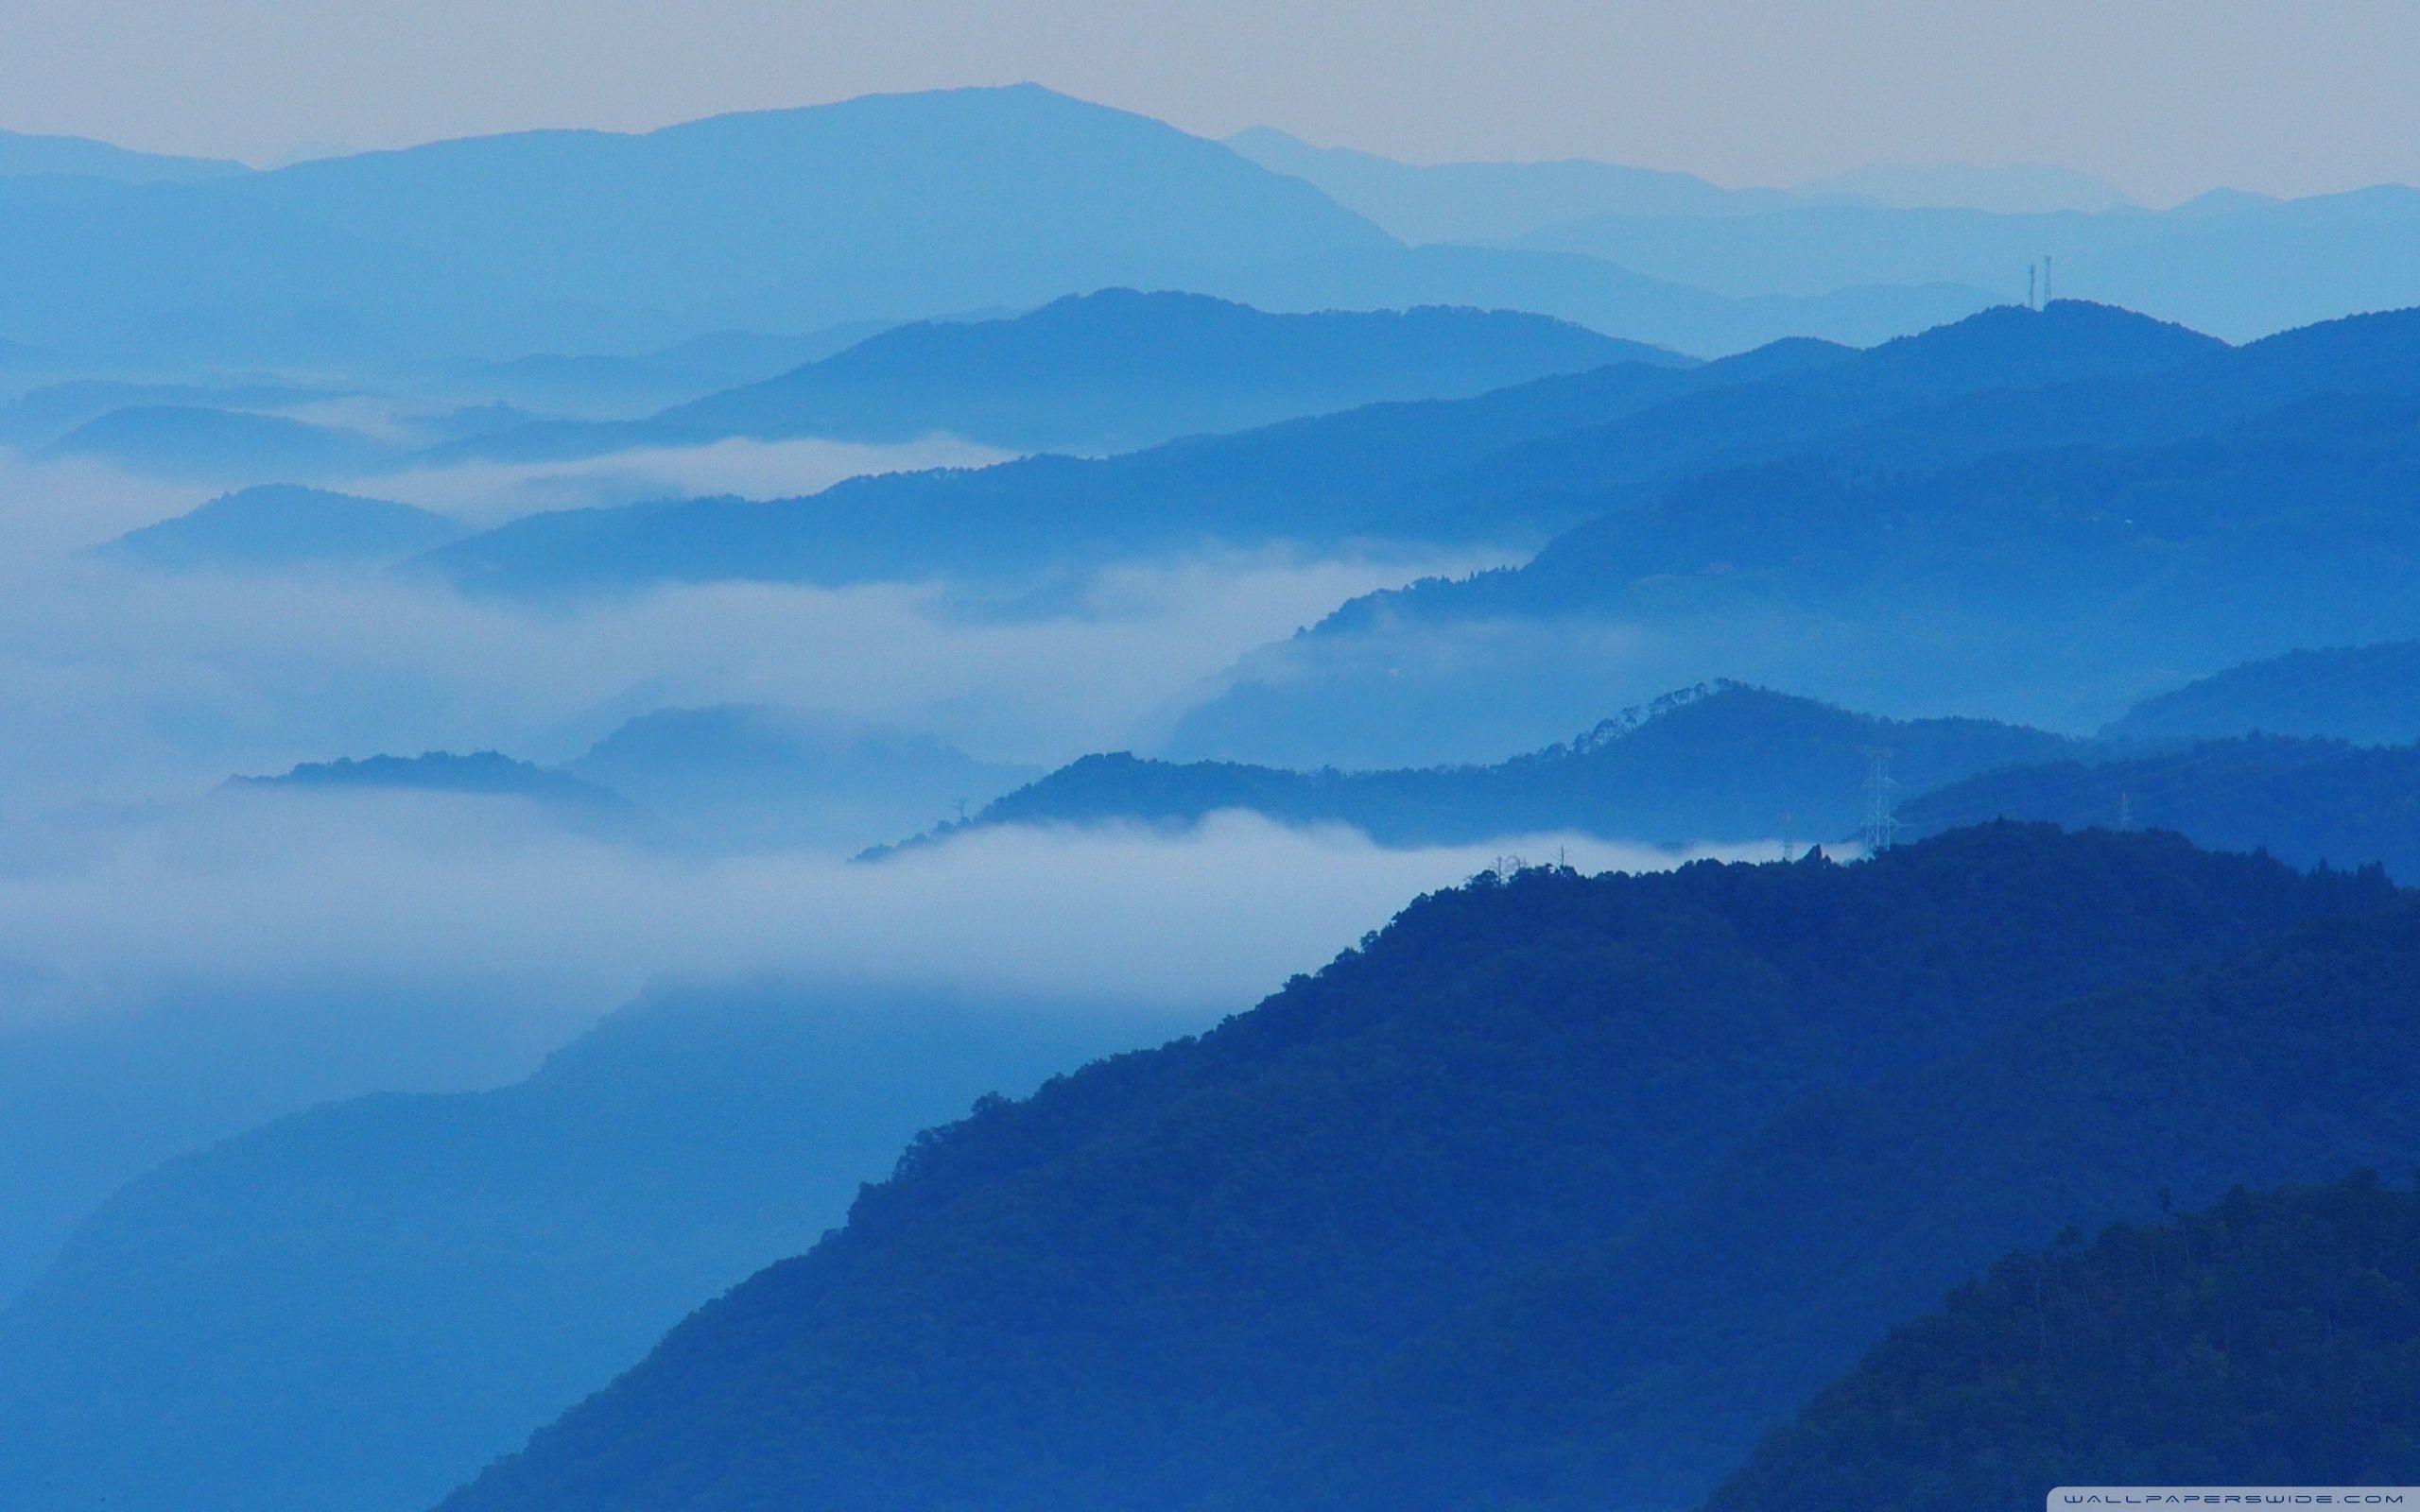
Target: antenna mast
(1881,801)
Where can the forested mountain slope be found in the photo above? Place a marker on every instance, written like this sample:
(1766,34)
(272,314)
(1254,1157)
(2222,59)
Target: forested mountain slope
(1791,1253)
(1719,762)
(2308,801)
(2047,555)
(2273,1339)
(1130,1290)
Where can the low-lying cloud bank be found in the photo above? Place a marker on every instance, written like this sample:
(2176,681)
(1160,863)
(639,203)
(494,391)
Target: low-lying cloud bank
(171,979)
(275,893)
(127,684)
(178,962)
(487,492)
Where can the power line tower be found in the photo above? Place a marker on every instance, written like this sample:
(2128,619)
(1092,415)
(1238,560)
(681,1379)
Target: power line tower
(2125,812)
(1881,801)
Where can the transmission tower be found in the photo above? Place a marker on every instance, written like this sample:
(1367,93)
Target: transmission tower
(1881,801)
(2125,812)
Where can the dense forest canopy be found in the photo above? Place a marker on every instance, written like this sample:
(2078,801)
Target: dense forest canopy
(1143,1285)
(2273,1339)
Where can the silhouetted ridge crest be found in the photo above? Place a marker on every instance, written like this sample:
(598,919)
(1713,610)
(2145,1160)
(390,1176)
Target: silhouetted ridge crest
(2267,1339)
(1137,1287)
(1716,762)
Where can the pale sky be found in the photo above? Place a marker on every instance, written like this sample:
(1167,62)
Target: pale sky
(2165,97)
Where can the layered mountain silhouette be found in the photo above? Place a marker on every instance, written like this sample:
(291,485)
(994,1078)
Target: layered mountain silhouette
(887,207)
(2048,551)
(2264,1340)
(479,772)
(1720,761)
(1502,468)
(43,415)
(2366,694)
(210,444)
(23,154)
(1509,201)
(1109,371)
(750,777)
(1793,1255)
(1236,1271)
(282,525)
(2308,800)
(2184,264)
(1903,225)
(897,204)
(625,385)
(355,1307)
(1312,479)
(1490,201)
(727,777)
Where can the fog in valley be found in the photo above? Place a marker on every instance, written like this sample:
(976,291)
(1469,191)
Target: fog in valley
(183,957)
(963,801)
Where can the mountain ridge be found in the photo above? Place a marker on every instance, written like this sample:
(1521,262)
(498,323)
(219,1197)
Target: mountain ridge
(1116,370)
(1721,762)
(279,525)
(1509,466)
(1125,1289)
(2183,1349)
(353,1307)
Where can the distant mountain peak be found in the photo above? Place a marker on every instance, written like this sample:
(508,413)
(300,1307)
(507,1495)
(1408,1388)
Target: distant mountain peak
(1490,202)
(273,525)
(479,774)
(1630,721)
(25,154)
(437,771)
(1432,1163)
(2063,340)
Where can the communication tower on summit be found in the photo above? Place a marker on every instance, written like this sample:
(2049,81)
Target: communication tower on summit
(1881,801)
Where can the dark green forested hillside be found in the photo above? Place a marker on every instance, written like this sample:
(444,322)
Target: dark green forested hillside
(2306,800)
(1717,762)
(1130,1290)
(2270,1340)
(1791,1253)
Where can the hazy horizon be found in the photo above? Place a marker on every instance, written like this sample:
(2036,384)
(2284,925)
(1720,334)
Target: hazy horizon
(1166,824)
(2162,100)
